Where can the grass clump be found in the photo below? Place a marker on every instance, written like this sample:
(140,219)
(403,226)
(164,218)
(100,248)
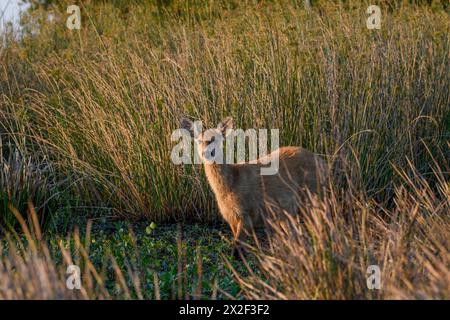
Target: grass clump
(326,252)
(86,118)
(102,104)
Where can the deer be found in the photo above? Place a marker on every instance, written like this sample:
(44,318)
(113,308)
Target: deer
(246,198)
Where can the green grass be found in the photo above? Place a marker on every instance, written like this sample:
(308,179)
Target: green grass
(156,251)
(86,118)
(140,252)
(100,103)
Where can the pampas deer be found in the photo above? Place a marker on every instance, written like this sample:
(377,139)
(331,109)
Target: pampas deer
(244,196)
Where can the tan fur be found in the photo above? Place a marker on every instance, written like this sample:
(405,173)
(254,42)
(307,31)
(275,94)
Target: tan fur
(245,197)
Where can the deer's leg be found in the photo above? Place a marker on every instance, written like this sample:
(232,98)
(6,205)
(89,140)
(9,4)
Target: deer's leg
(233,223)
(239,233)
(233,230)
(239,236)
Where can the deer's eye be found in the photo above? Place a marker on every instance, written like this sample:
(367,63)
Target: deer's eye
(212,139)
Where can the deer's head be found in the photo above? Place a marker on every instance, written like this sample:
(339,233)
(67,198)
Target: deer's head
(210,141)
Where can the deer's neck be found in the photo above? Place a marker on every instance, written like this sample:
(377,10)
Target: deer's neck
(221,177)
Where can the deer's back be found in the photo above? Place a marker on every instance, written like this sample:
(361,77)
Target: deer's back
(299,169)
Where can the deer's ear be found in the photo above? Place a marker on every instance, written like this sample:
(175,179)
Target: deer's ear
(188,125)
(225,124)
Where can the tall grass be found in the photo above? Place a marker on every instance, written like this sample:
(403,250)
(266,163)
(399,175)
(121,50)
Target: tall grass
(91,112)
(101,102)
(322,254)
(23,179)
(326,252)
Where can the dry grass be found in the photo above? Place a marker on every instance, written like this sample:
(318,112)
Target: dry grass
(23,179)
(101,104)
(322,254)
(94,109)
(325,252)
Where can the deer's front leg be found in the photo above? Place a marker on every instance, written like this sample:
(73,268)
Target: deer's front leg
(239,236)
